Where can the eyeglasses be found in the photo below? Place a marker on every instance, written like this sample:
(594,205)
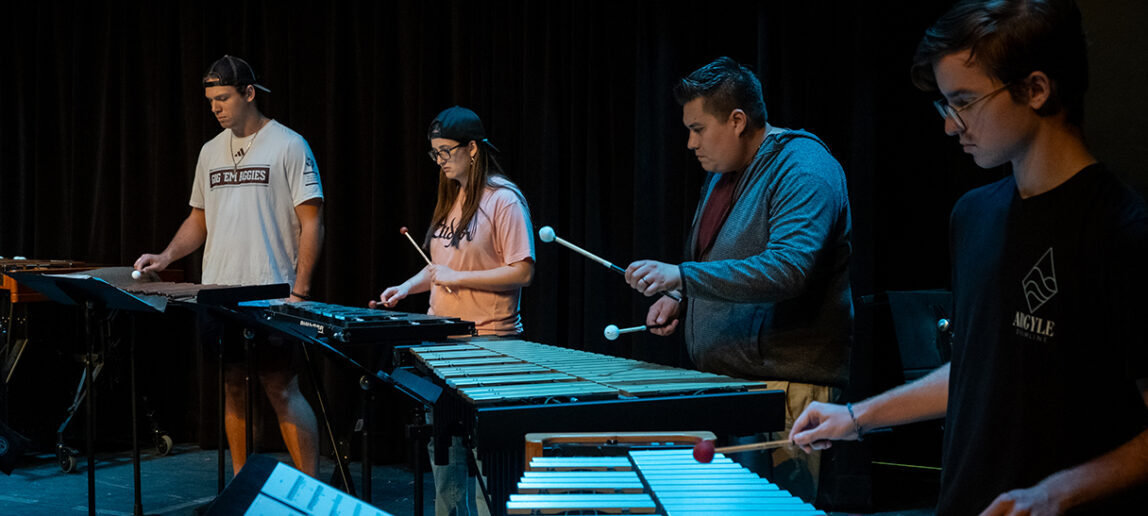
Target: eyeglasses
(948,111)
(443,154)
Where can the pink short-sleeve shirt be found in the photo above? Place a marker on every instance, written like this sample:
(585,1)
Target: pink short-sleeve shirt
(499,235)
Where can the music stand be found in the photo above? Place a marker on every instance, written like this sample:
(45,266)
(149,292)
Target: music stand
(96,296)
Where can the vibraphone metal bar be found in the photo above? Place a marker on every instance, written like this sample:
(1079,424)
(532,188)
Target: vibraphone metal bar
(500,371)
(497,391)
(666,482)
(350,324)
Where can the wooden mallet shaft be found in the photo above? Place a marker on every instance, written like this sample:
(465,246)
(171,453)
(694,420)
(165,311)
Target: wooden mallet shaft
(766,445)
(406,233)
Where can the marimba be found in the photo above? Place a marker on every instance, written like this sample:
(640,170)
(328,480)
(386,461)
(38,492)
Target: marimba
(497,391)
(22,294)
(15,321)
(204,294)
(668,482)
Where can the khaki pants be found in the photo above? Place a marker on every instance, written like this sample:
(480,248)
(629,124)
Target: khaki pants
(788,466)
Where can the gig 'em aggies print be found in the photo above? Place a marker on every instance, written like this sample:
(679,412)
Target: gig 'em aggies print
(1039,285)
(251,175)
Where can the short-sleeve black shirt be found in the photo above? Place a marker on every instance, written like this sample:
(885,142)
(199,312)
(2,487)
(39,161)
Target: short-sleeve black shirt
(1049,297)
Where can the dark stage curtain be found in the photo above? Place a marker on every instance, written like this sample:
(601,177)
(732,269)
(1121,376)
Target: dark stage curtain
(103,117)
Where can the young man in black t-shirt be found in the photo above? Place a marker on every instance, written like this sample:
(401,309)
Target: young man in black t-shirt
(1046,398)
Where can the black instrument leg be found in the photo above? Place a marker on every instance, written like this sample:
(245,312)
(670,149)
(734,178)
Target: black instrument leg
(138,506)
(221,481)
(340,463)
(90,420)
(249,404)
(472,465)
(365,420)
(419,433)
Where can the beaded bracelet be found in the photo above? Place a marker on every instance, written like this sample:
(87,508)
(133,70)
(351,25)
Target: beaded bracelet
(856,425)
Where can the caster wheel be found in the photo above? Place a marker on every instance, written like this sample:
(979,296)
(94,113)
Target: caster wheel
(163,444)
(66,458)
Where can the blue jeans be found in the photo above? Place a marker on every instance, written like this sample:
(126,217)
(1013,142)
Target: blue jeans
(453,484)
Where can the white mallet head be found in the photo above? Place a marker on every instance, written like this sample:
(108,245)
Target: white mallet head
(546,233)
(611,332)
(137,275)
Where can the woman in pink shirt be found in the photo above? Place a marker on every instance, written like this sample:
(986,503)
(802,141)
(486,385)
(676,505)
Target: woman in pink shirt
(482,254)
(480,238)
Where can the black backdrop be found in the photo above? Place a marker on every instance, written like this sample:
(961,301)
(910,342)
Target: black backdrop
(103,116)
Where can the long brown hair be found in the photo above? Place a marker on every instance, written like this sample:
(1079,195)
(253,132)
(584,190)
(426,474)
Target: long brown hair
(483,171)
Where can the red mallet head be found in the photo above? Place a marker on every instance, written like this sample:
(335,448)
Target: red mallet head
(704,451)
(403,230)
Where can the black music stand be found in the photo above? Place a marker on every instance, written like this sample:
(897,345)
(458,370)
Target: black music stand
(424,392)
(96,296)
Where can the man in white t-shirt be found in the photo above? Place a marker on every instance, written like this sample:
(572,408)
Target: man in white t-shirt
(256,205)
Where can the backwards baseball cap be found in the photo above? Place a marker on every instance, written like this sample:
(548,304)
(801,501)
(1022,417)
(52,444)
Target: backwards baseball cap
(231,71)
(459,124)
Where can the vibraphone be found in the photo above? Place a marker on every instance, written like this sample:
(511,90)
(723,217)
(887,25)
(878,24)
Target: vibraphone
(497,391)
(350,324)
(338,326)
(668,482)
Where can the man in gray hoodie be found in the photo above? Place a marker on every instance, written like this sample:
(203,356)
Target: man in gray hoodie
(766,289)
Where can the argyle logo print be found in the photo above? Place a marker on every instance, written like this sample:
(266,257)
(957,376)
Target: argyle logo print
(1040,283)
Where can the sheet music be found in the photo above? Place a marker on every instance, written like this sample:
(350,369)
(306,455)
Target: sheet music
(74,275)
(262,303)
(289,487)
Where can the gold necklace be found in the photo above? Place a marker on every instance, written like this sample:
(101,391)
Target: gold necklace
(231,147)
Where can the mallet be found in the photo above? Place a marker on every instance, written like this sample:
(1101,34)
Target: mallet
(546,234)
(704,450)
(613,331)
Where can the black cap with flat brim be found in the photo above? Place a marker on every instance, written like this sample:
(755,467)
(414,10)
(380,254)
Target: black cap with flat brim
(231,71)
(461,125)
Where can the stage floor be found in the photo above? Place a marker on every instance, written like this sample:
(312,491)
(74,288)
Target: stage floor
(179,483)
(173,485)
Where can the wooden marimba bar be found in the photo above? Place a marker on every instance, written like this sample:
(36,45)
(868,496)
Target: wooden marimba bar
(668,482)
(21,294)
(175,291)
(204,294)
